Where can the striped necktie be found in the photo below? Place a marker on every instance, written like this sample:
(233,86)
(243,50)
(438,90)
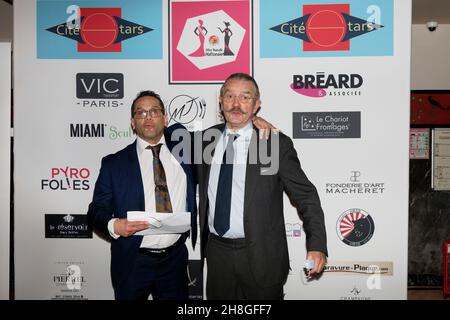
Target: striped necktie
(162,196)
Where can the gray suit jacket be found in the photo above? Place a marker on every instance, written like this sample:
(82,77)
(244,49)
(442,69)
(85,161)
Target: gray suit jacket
(264,224)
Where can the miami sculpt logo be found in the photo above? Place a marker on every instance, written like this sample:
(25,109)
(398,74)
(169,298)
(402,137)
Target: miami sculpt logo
(327,27)
(98,29)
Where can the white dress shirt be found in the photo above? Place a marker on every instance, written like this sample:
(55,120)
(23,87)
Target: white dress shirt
(176,183)
(241,145)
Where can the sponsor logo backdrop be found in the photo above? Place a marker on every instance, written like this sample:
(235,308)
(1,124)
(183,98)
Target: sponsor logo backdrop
(344,103)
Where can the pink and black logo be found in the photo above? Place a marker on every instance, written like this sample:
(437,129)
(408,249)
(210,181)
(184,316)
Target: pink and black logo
(321,85)
(67,179)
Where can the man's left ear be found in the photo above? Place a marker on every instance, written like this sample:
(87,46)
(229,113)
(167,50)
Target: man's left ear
(166,120)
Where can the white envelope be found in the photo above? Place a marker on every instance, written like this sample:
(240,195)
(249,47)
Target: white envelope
(161,223)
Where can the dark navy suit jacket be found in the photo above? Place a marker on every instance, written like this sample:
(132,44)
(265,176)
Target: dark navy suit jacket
(119,189)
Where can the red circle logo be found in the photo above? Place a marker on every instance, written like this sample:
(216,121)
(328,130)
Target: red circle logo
(99,30)
(326,28)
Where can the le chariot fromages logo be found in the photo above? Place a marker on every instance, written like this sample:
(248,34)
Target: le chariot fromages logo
(93,30)
(326,125)
(325,29)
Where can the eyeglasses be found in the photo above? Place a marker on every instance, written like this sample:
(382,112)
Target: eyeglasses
(142,114)
(242,98)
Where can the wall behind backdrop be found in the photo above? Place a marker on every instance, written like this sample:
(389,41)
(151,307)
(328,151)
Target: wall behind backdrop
(334,76)
(5,165)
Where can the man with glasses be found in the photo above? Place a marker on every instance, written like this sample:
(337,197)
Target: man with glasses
(145,176)
(243,235)
(148,175)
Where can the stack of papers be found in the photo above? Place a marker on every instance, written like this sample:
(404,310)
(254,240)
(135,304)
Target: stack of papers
(161,223)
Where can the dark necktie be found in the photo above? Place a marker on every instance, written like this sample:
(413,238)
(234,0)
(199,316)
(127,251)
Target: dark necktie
(162,196)
(223,195)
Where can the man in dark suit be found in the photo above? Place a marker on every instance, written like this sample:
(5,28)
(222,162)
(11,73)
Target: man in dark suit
(146,176)
(243,234)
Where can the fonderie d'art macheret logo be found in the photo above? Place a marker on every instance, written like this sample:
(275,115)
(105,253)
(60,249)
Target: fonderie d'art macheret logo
(327,27)
(98,29)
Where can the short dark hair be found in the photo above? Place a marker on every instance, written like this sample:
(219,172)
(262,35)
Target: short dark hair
(147,93)
(241,76)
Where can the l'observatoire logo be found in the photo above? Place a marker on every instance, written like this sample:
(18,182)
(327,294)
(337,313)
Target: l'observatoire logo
(355,227)
(325,29)
(68,30)
(67,226)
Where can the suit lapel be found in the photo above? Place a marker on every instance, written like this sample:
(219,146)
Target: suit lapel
(135,183)
(251,174)
(170,145)
(213,144)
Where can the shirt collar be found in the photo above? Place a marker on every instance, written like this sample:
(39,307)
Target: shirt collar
(141,144)
(245,132)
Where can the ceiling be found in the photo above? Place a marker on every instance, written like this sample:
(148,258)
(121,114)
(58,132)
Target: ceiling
(428,10)
(422,11)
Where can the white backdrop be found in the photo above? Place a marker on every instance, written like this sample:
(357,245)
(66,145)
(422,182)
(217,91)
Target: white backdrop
(5,162)
(60,138)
